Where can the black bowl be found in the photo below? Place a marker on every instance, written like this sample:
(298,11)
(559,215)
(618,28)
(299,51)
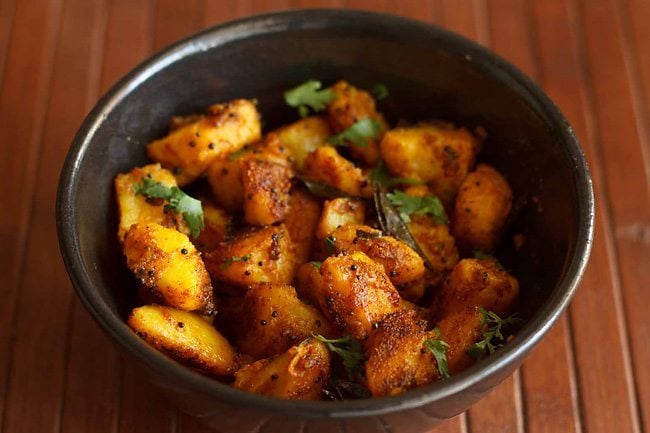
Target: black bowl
(431,74)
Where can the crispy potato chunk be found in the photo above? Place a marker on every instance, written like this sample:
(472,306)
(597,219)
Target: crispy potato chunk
(257,256)
(438,154)
(327,166)
(297,374)
(301,221)
(422,315)
(482,207)
(135,208)
(436,242)
(356,293)
(396,358)
(225,179)
(349,106)
(189,149)
(303,137)
(338,212)
(400,262)
(217,224)
(167,264)
(266,186)
(473,283)
(274,319)
(308,282)
(460,330)
(184,337)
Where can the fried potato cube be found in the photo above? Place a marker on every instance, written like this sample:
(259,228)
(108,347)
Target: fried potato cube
(135,208)
(478,283)
(350,105)
(396,357)
(266,190)
(167,264)
(460,330)
(309,282)
(482,207)
(422,315)
(217,225)
(401,263)
(327,166)
(338,212)
(298,374)
(274,319)
(437,244)
(184,337)
(225,178)
(258,256)
(303,137)
(189,149)
(356,293)
(301,220)
(438,154)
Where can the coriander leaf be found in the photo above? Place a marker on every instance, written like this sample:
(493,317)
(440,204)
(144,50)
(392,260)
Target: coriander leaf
(177,202)
(309,95)
(408,205)
(349,350)
(330,245)
(493,337)
(237,153)
(380,91)
(224,265)
(439,350)
(482,255)
(317,265)
(357,134)
(381,175)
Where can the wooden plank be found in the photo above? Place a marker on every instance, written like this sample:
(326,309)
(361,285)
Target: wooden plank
(423,10)
(22,112)
(620,131)
(317,3)
(170,25)
(7,10)
(602,377)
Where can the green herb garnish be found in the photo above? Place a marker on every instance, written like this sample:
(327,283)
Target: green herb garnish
(330,244)
(224,265)
(308,96)
(482,255)
(359,133)
(349,349)
(408,205)
(317,265)
(380,91)
(381,175)
(493,337)
(177,202)
(237,153)
(439,350)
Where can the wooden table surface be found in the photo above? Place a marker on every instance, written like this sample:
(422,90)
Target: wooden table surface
(58,372)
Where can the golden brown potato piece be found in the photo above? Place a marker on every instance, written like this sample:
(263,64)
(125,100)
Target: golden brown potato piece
(482,207)
(396,358)
(257,256)
(190,149)
(478,283)
(303,137)
(266,185)
(327,166)
(308,282)
(298,374)
(356,293)
(135,208)
(460,330)
(338,212)
(401,263)
(422,315)
(217,226)
(436,242)
(184,337)
(348,107)
(225,178)
(166,263)
(301,220)
(438,154)
(274,319)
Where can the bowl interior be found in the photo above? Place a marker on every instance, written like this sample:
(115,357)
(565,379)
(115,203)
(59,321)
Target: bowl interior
(430,74)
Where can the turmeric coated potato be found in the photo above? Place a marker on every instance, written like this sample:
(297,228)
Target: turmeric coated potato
(266,184)
(438,154)
(298,374)
(225,178)
(327,166)
(460,330)
(401,263)
(356,293)
(478,283)
(166,263)
(184,337)
(256,256)
(308,282)
(482,207)
(274,319)
(301,220)
(338,212)
(188,150)
(350,105)
(437,244)
(217,227)
(135,208)
(396,357)
(304,136)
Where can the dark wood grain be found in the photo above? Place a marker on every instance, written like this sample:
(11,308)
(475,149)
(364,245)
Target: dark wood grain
(7,10)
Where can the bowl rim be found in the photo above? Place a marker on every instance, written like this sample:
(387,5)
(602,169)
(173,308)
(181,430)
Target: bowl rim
(313,19)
